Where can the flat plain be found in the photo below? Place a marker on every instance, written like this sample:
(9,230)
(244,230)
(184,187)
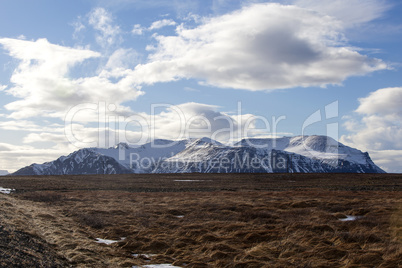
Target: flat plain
(202,220)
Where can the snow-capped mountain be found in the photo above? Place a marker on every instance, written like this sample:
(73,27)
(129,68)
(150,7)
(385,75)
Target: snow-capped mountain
(304,154)
(84,161)
(308,154)
(141,159)
(322,148)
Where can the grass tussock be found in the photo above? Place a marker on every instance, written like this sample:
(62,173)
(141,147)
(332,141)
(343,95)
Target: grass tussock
(42,196)
(91,220)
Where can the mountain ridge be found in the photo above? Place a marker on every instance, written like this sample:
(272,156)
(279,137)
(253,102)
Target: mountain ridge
(299,154)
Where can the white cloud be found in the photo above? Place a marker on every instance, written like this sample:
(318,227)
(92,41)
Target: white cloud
(53,139)
(2,87)
(260,47)
(198,120)
(175,122)
(384,102)
(44,85)
(349,12)
(26,125)
(15,157)
(122,58)
(4,147)
(45,137)
(389,160)
(137,29)
(102,21)
(161,23)
(193,17)
(379,129)
(19,125)
(78,27)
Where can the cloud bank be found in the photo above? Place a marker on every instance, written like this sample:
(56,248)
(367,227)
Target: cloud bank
(349,12)
(45,86)
(173,122)
(378,129)
(260,47)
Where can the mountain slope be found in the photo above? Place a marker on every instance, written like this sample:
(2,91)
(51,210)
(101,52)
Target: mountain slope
(327,152)
(313,154)
(141,159)
(300,154)
(84,161)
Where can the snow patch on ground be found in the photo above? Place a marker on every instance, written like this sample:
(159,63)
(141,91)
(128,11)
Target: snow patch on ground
(157,266)
(188,180)
(6,190)
(108,241)
(350,218)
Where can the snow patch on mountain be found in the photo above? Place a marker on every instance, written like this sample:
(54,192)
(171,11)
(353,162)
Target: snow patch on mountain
(320,147)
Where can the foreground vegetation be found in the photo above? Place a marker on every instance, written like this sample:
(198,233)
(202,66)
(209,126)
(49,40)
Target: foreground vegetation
(203,220)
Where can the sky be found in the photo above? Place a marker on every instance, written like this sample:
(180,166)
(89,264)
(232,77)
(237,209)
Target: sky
(93,73)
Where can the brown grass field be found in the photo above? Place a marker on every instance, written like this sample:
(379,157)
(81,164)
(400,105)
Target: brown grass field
(202,220)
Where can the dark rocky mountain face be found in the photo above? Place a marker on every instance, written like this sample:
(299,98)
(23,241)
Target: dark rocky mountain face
(84,161)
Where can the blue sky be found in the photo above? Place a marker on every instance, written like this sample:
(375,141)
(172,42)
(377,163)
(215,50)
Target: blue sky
(176,66)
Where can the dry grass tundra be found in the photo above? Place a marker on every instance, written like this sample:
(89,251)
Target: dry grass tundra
(202,220)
